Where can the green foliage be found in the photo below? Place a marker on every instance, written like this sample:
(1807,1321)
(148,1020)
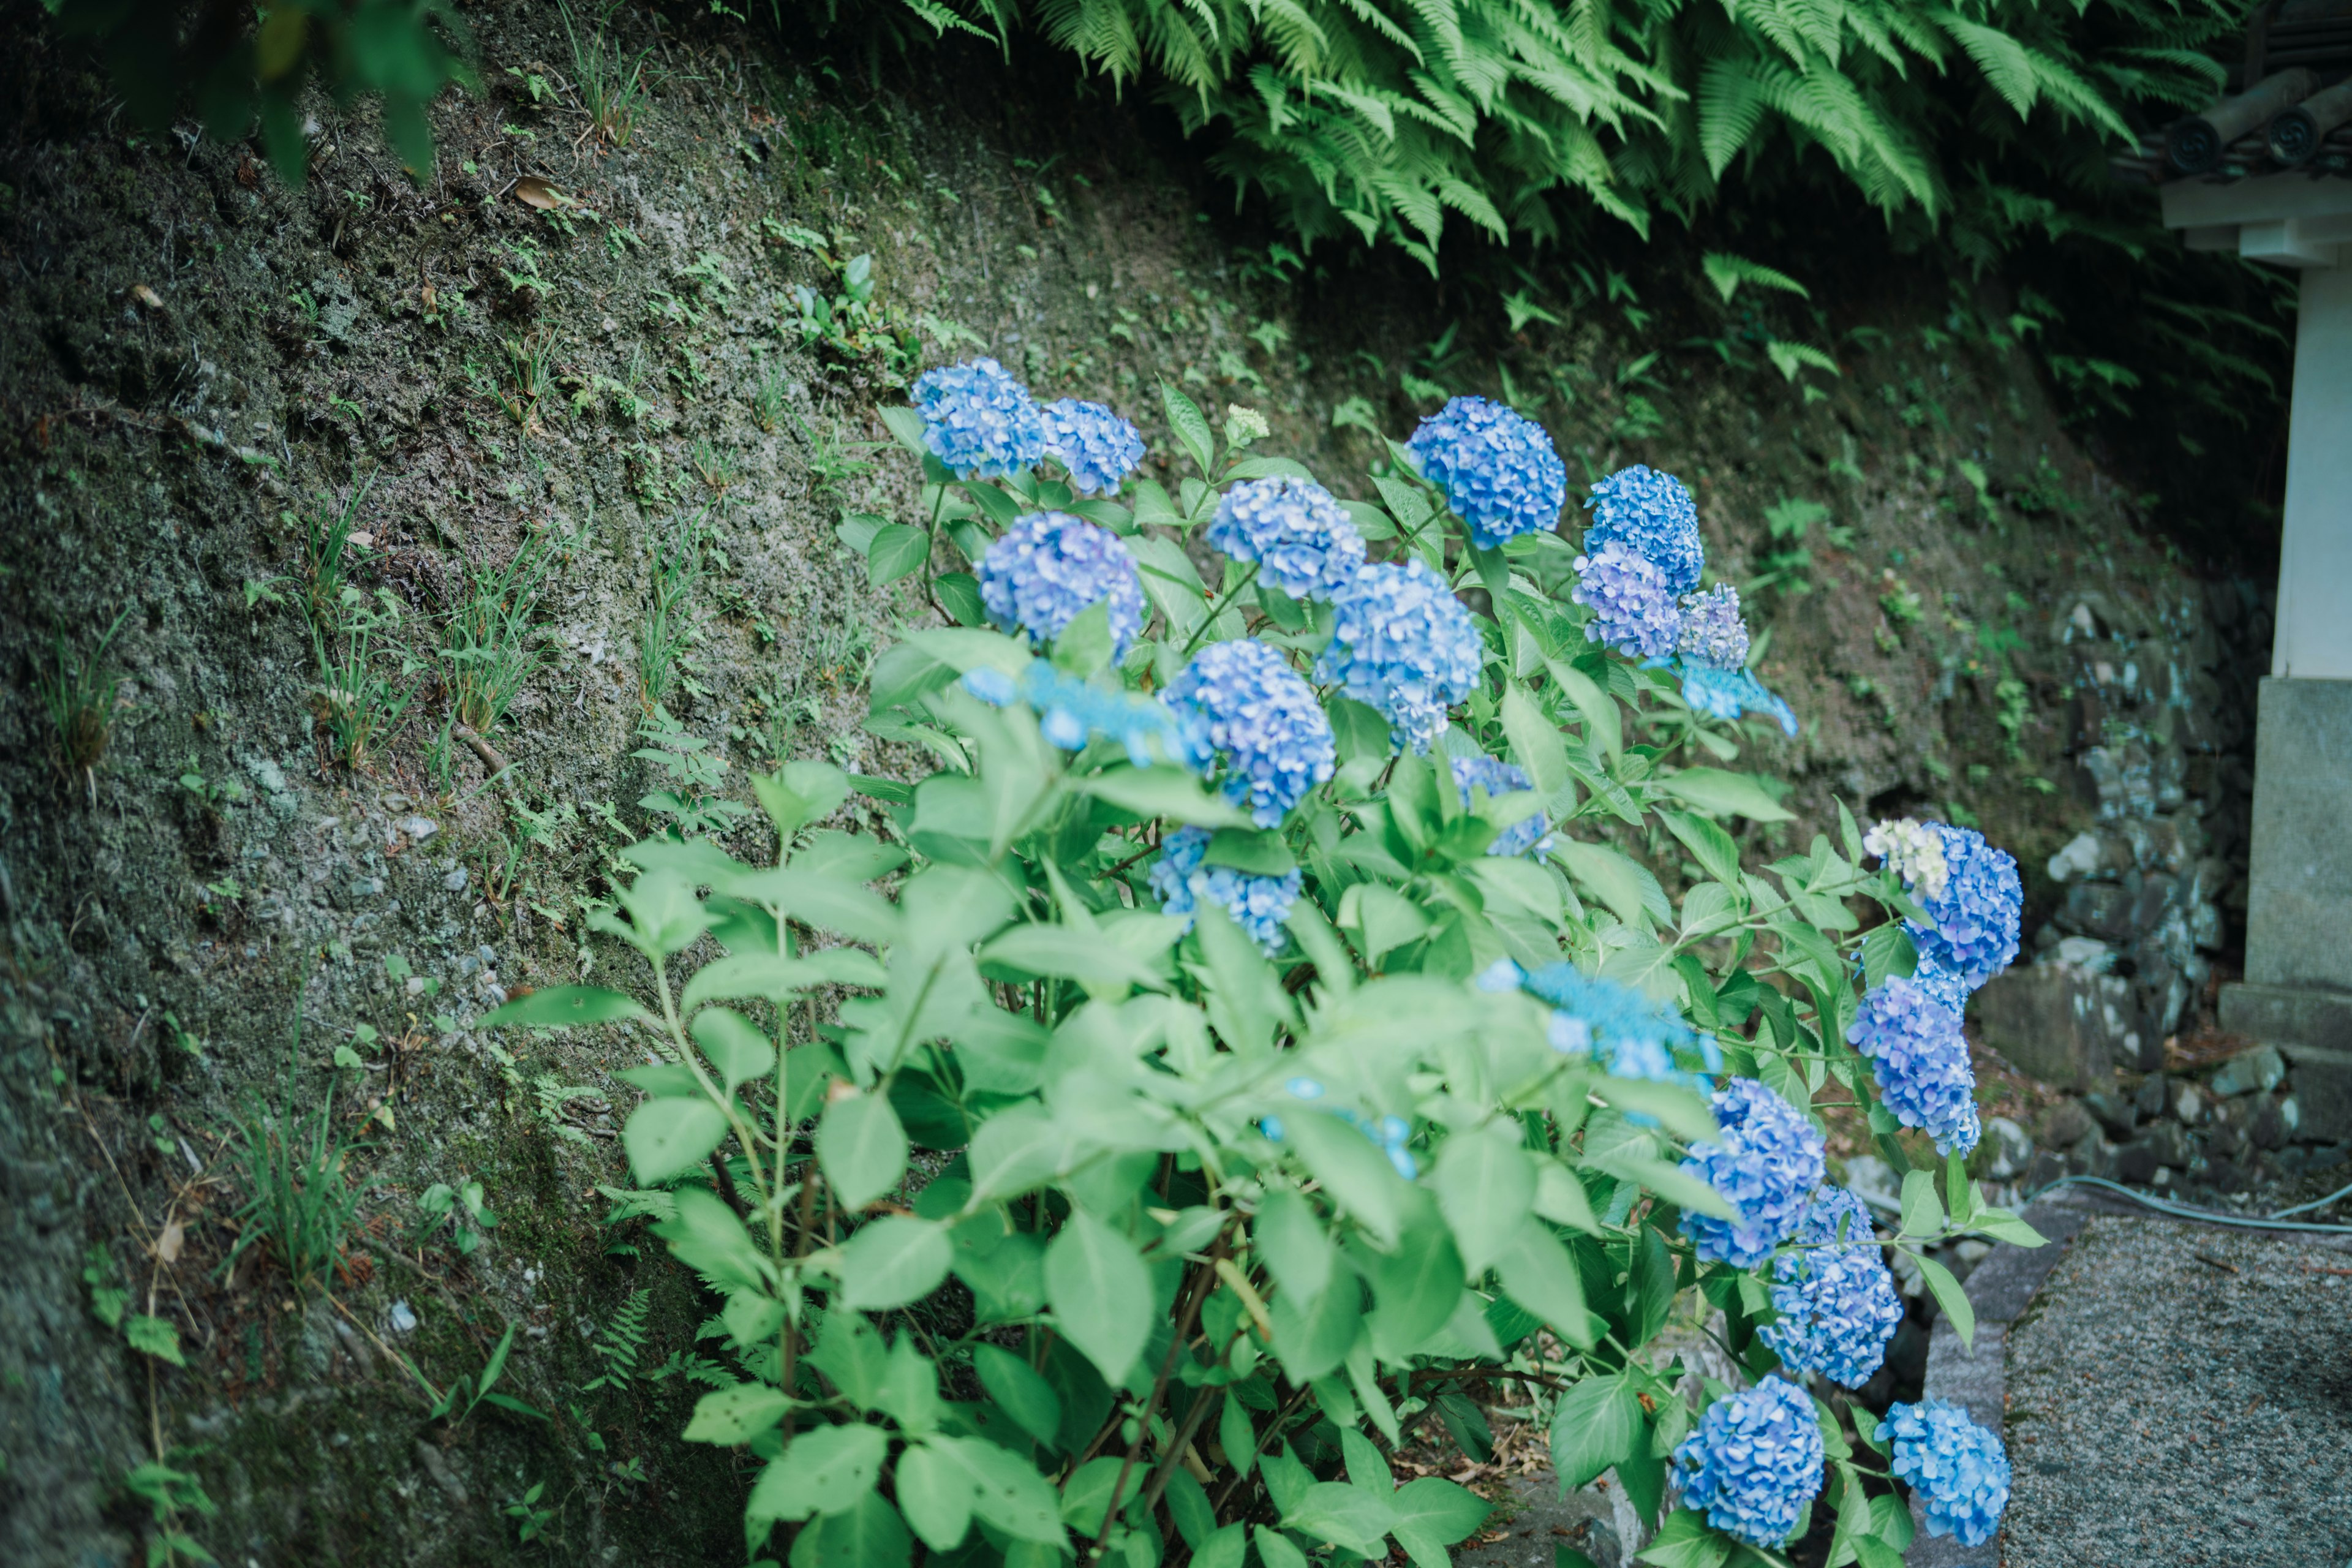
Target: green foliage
(971,1048)
(170,1494)
(78,690)
(299,1202)
(401,52)
(489,646)
(461,1211)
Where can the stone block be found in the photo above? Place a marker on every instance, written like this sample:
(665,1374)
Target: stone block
(2113,1113)
(2257,1072)
(2313,1030)
(2061,1026)
(2301,908)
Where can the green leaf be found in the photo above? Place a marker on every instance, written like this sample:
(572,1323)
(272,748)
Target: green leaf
(1291,1240)
(1237,1437)
(738,1414)
(1709,845)
(1485,1184)
(1593,1428)
(1260,852)
(1069,954)
(667,1138)
(1923,1211)
(1886,951)
(1188,1505)
(1685,1541)
(734,1046)
(154,1336)
(1313,1334)
(959,595)
(1100,1294)
(1083,647)
(1007,1492)
(566,1006)
(1163,791)
(835,903)
(1023,1396)
(1542,1277)
(893,1261)
(1344,1515)
(1226,1549)
(898,551)
(1086,1495)
(1950,1298)
(850,1353)
(1614,879)
(1726,794)
(906,426)
(866,1534)
(2003,1226)
(1352,1169)
(862,1148)
(778,979)
(1432,1514)
(1191,428)
(800,793)
(829,1470)
(935,1494)
(1604,726)
(1276,1550)
(1535,741)
(705,1235)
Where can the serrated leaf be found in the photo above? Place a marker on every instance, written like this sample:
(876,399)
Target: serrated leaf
(1191,428)
(1593,1429)
(829,1470)
(862,1148)
(896,550)
(154,1336)
(1344,1515)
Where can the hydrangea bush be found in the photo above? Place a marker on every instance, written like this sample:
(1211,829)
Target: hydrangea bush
(1261,1026)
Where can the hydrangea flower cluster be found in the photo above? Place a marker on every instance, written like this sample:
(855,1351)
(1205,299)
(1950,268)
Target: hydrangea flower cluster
(1652,514)
(1048,567)
(1096,447)
(1921,1059)
(1262,718)
(1956,1468)
(1402,642)
(1906,847)
(1976,916)
(1302,540)
(1497,777)
(1496,468)
(978,421)
(1770,1159)
(1726,694)
(1836,1299)
(1393,1134)
(1632,609)
(1754,1462)
(1070,710)
(1623,1030)
(1714,634)
(1259,905)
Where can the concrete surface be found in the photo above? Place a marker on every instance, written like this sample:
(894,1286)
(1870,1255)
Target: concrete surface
(2299,913)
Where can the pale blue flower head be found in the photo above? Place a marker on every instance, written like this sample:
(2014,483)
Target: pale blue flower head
(1714,634)
(1621,1029)
(1303,541)
(1259,905)
(1497,777)
(1726,694)
(1753,1462)
(1921,1059)
(1957,1469)
(1048,567)
(1836,1299)
(978,421)
(1497,469)
(1096,447)
(1403,643)
(1263,722)
(1632,609)
(1071,711)
(1766,1164)
(1975,920)
(1655,516)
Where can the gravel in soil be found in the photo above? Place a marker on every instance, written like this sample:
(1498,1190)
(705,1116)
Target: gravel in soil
(2182,1395)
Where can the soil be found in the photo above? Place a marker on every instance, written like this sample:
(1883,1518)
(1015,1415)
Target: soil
(569,342)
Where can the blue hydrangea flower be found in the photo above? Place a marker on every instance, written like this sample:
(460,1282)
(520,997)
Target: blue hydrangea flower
(1714,634)
(1632,609)
(1952,990)
(1049,566)
(1957,1469)
(1096,447)
(1621,1029)
(1769,1162)
(1921,1059)
(1303,541)
(1258,904)
(1836,1298)
(1497,469)
(1497,777)
(1651,512)
(978,421)
(1725,694)
(1974,934)
(1403,643)
(1754,1462)
(1070,710)
(1262,719)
